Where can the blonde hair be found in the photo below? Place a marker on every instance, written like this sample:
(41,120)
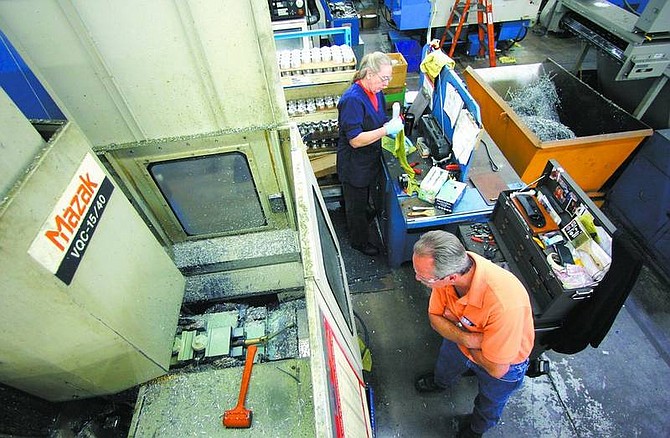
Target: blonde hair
(371,62)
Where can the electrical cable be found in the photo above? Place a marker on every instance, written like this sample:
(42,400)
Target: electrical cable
(530,183)
(311,7)
(543,3)
(494,165)
(385,14)
(631,8)
(525,33)
(431,17)
(366,335)
(551,261)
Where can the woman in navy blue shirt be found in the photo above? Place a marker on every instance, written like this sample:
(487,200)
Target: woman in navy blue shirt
(362,117)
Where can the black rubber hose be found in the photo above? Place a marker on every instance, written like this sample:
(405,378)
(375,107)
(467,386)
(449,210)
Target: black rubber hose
(525,32)
(631,8)
(314,14)
(366,335)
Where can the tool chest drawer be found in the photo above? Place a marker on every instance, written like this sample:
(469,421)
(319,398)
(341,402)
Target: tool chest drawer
(550,300)
(577,267)
(537,231)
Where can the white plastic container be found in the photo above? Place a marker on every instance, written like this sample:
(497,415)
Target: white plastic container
(316,54)
(326,54)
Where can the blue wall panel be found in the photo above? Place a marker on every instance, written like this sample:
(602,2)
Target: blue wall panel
(22,86)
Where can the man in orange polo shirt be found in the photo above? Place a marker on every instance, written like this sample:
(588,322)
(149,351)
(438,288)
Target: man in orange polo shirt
(483,313)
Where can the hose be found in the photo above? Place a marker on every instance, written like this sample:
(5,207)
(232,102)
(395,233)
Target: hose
(314,14)
(631,8)
(366,335)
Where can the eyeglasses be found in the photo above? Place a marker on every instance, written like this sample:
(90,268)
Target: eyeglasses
(383,78)
(429,280)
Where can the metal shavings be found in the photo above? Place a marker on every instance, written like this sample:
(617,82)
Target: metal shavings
(233,249)
(548,129)
(539,98)
(186,138)
(222,307)
(277,321)
(206,287)
(218,267)
(283,321)
(255,314)
(226,362)
(190,324)
(191,404)
(537,104)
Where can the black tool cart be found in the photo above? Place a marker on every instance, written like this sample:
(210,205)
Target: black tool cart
(577,267)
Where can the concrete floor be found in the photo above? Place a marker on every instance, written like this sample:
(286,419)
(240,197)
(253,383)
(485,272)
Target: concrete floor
(617,390)
(613,391)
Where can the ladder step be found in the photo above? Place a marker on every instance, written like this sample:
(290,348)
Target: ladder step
(461,11)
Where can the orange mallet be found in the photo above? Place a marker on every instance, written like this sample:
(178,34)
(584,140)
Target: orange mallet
(239,417)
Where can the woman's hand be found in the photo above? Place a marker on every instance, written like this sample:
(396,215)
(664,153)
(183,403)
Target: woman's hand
(393,126)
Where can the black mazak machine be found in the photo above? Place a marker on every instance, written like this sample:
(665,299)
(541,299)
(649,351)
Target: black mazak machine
(171,225)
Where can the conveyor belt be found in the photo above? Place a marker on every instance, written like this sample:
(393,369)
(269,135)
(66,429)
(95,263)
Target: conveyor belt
(593,37)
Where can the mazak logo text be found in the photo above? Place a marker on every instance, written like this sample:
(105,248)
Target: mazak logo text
(67,222)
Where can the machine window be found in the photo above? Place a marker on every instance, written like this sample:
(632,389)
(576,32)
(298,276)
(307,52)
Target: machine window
(332,263)
(210,194)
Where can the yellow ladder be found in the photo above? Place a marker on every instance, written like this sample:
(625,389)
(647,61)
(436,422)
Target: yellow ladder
(461,9)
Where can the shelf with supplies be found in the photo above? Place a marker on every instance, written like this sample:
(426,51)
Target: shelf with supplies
(318,65)
(315,117)
(306,76)
(314,91)
(314,103)
(314,109)
(320,136)
(313,81)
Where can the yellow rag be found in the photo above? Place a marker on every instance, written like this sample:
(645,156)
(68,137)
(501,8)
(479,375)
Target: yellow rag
(433,62)
(390,145)
(401,155)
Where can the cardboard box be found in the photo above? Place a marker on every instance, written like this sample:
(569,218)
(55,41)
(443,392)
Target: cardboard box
(399,70)
(449,195)
(432,183)
(324,165)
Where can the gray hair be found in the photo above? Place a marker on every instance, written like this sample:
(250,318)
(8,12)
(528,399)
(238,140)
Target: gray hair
(448,253)
(371,62)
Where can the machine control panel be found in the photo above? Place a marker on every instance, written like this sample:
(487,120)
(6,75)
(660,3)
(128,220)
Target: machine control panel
(287,9)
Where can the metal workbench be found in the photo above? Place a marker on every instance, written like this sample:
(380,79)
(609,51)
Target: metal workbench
(400,232)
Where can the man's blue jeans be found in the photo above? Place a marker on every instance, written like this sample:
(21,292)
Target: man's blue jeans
(493,393)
